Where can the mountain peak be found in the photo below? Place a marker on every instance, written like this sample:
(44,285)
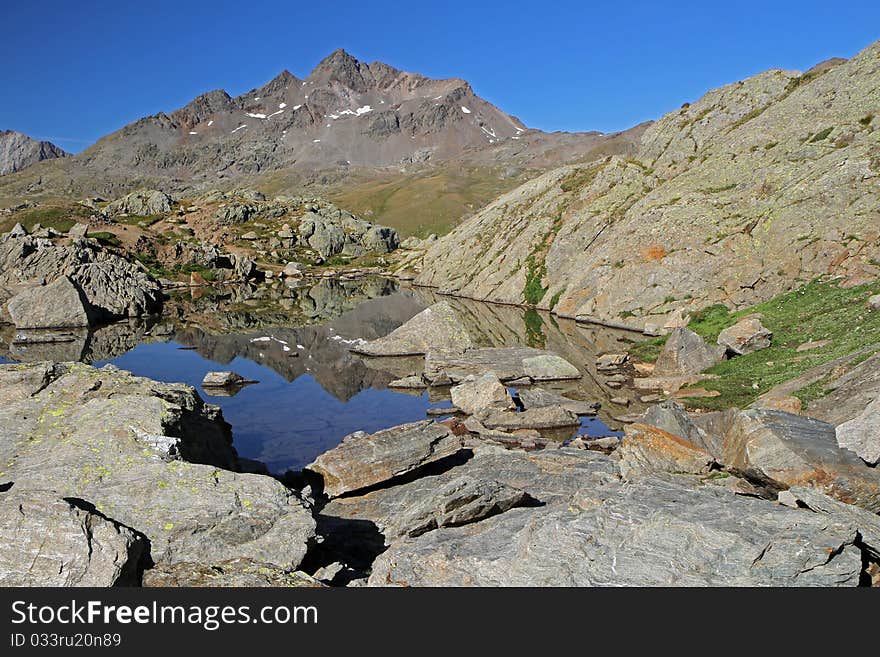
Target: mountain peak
(337,61)
(18,151)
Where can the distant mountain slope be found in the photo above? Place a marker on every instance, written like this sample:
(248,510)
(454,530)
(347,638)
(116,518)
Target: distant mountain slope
(348,129)
(735,198)
(18,151)
(345,114)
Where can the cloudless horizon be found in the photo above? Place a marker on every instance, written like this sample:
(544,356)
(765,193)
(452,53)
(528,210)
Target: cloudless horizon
(75,71)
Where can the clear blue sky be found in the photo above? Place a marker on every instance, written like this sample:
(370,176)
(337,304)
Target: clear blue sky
(72,71)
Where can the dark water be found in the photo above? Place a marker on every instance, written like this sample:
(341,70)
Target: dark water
(312,390)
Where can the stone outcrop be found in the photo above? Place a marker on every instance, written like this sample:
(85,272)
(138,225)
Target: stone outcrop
(702,213)
(50,541)
(140,204)
(108,286)
(686,354)
(18,151)
(148,456)
(792,450)
(862,434)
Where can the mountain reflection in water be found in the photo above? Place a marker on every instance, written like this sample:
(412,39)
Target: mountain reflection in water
(312,390)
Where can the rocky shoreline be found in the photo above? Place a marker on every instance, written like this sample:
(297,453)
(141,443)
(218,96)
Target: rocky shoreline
(111,479)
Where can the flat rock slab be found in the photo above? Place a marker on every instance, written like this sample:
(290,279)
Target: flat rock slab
(47,541)
(663,530)
(362,460)
(543,417)
(538,398)
(508,363)
(437,327)
(479,488)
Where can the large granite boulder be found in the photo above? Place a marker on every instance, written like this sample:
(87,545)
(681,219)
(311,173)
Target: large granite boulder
(793,450)
(50,541)
(56,305)
(475,394)
(140,203)
(745,337)
(686,354)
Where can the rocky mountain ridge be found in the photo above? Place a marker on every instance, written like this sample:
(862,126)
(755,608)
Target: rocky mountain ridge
(732,199)
(346,114)
(18,151)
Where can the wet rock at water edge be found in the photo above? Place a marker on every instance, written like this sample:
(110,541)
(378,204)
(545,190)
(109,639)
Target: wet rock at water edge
(536,397)
(476,394)
(56,305)
(363,460)
(226,379)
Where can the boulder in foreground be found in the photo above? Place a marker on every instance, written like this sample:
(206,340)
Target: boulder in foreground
(363,460)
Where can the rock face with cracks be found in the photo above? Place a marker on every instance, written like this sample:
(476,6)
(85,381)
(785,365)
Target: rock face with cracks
(147,456)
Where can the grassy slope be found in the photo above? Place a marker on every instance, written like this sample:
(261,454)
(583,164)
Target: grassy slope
(817,311)
(424,203)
